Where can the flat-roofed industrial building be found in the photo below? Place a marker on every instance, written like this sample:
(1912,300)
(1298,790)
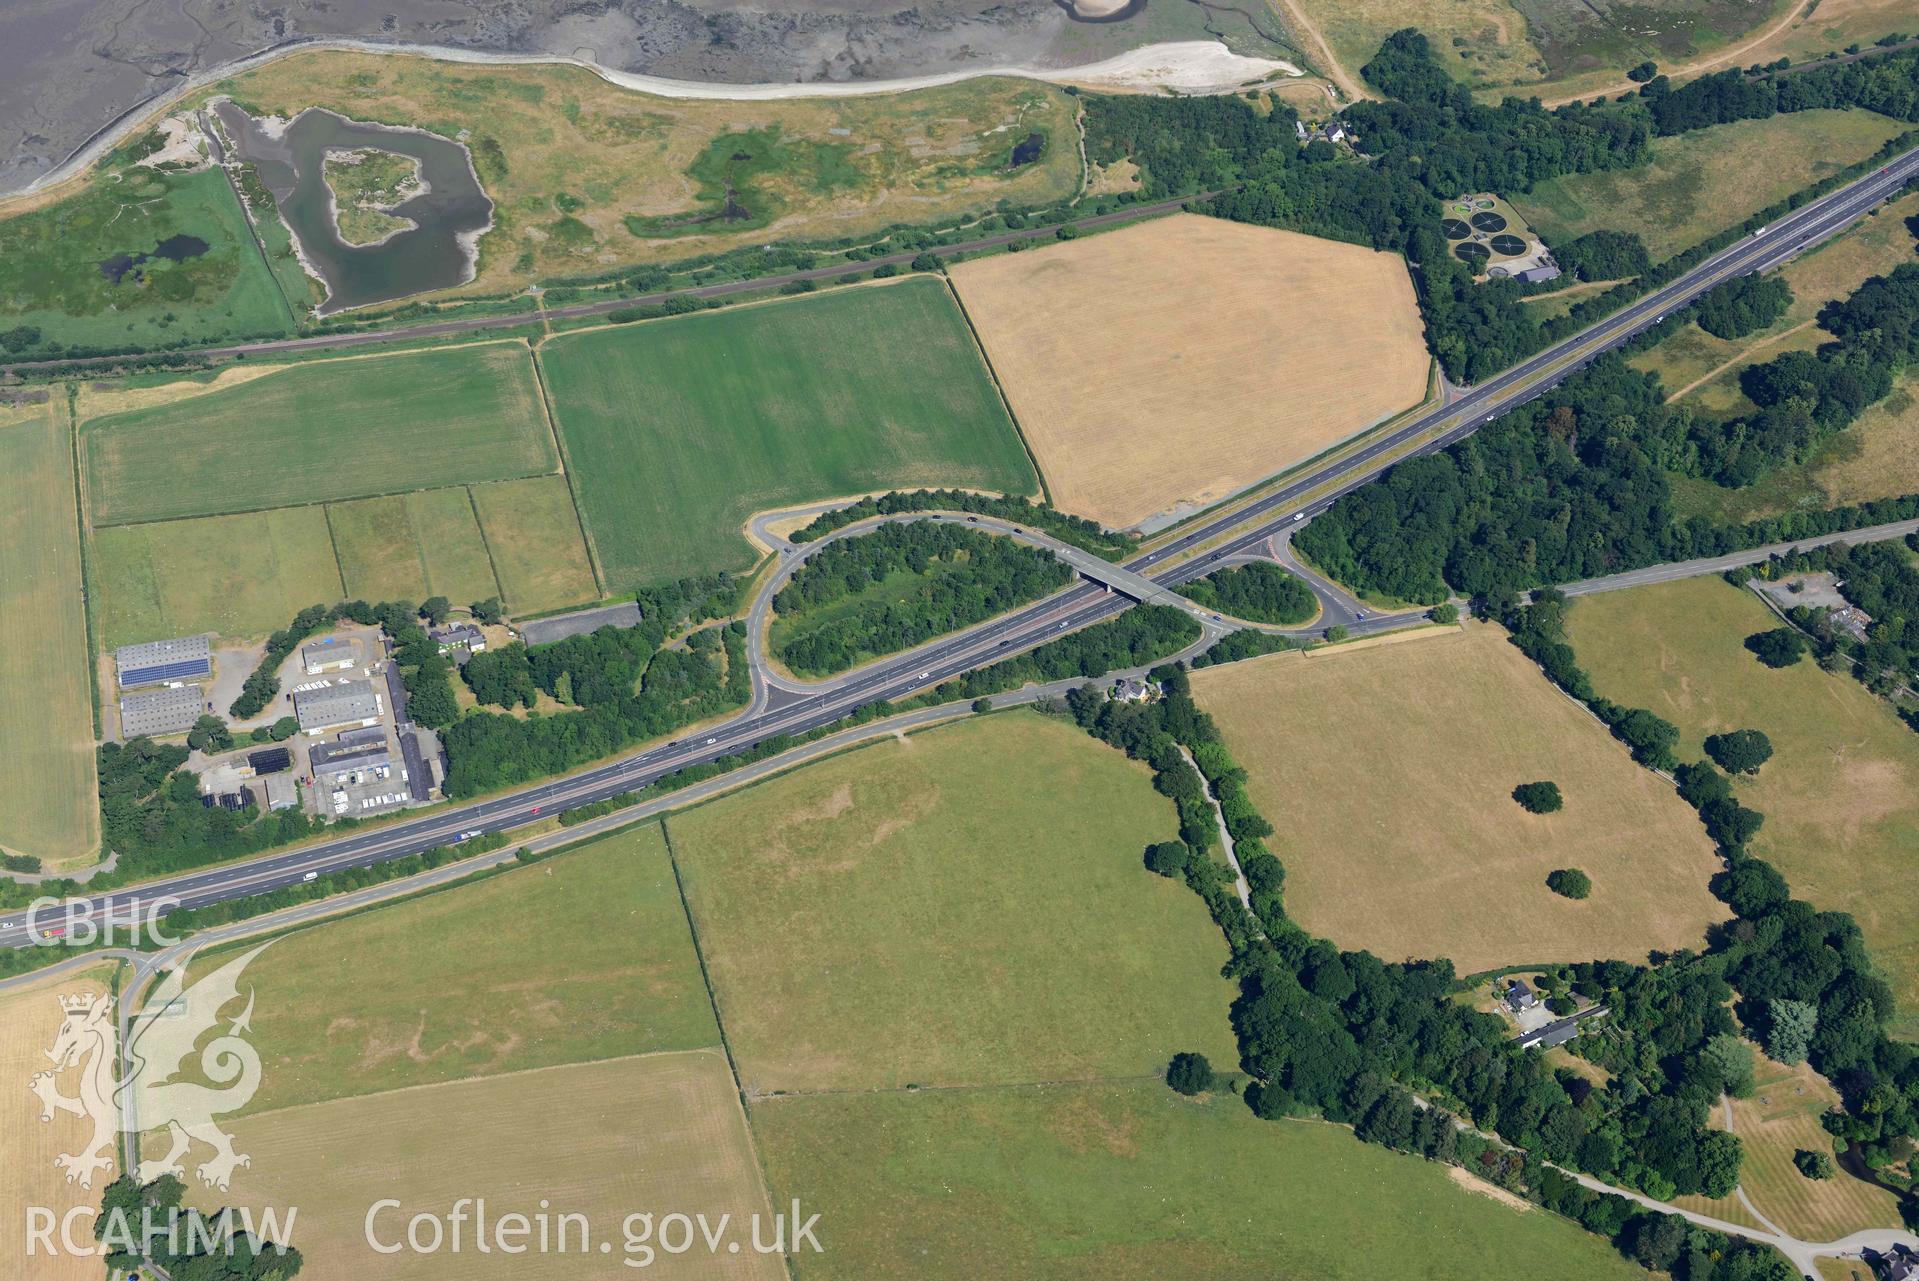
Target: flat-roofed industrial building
(155,713)
(344,703)
(157,662)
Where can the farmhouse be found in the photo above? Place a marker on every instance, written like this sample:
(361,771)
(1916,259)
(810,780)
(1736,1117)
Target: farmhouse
(459,640)
(158,662)
(158,712)
(330,654)
(1519,996)
(347,703)
(1900,1266)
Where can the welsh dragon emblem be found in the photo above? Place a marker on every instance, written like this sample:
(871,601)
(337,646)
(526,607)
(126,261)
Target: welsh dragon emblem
(162,1039)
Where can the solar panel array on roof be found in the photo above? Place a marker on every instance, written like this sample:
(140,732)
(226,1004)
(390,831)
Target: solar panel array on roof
(164,672)
(270,761)
(168,660)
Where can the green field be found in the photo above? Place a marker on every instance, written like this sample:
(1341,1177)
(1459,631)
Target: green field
(412,546)
(534,536)
(47,806)
(1703,182)
(244,575)
(581,958)
(965,906)
(1110,1182)
(322,431)
(1841,793)
(677,430)
(54,277)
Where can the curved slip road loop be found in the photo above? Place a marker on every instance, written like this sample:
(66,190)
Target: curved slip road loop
(1239,532)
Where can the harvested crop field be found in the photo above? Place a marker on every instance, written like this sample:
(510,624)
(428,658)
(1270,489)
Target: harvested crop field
(1130,1182)
(580,958)
(660,1133)
(320,431)
(1171,364)
(1386,852)
(586,175)
(926,911)
(29,1021)
(47,804)
(1841,793)
(676,431)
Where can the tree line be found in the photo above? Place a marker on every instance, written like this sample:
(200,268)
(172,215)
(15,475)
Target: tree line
(1801,978)
(1077,531)
(1430,141)
(829,620)
(1575,483)
(1384,1048)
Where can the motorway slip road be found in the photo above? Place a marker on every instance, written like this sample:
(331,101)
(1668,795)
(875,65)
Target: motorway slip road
(1231,533)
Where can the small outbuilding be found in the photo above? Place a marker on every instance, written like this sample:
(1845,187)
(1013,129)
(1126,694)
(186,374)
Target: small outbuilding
(330,654)
(282,792)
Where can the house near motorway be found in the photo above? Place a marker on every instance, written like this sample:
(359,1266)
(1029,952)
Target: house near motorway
(330,654)
(160,662)
(155,713)
(348,703)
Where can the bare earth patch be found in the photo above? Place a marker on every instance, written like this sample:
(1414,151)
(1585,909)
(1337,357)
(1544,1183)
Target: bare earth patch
(1389,774)
(1172,364)
(1489,1190)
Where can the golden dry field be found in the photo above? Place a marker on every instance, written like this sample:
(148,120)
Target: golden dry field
(1176,362)
(29,1020)
(569,158)
(1842,821)
(1389,774)
(659,1133)
(47,804)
